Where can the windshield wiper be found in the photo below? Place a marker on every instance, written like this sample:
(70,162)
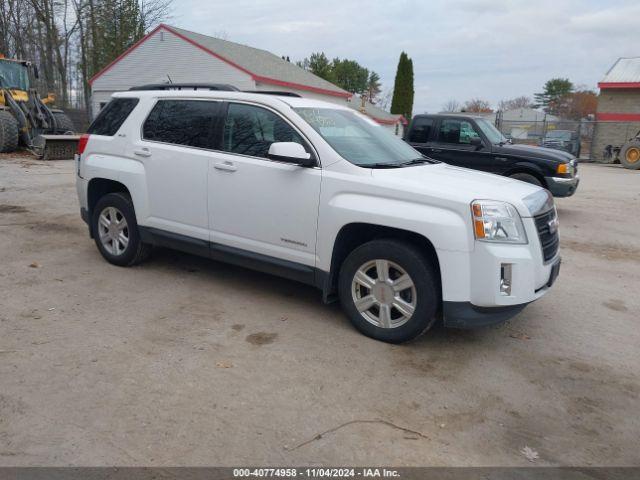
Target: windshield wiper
(379,165)
(418,161)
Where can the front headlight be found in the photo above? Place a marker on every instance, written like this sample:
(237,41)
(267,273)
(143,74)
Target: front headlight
(497,222)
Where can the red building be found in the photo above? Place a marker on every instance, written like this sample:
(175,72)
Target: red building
(618,112)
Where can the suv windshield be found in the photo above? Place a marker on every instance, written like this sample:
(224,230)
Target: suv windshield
(492,133)
(14,75)
(359,140)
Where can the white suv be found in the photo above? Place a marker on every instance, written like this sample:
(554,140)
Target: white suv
(318,193)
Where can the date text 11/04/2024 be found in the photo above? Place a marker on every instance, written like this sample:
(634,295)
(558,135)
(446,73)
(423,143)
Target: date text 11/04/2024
(316,472)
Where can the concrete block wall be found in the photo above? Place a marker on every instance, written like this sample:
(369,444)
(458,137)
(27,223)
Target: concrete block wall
(615,131)
(620,100)
(611,133)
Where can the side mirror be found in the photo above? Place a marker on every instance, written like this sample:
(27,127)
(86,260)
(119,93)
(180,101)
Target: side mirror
(476,142)
(290,152)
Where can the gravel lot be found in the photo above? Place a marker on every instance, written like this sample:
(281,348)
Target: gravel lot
(184,361)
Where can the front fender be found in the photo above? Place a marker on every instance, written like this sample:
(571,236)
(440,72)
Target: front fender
(445,229)
(448,230)
(525,166)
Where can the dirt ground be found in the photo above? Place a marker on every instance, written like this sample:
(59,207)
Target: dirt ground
(184,361)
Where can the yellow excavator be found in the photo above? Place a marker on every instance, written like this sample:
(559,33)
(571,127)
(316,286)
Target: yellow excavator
(28,120)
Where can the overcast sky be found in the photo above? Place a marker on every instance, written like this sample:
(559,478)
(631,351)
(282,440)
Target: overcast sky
(492,49)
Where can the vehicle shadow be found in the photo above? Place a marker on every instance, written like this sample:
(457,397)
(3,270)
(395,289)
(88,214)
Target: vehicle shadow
(242,279)
(274,288)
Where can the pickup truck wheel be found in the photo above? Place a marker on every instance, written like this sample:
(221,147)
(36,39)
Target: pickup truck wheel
(630,155)
(526,177)
(389,290)
(115,231)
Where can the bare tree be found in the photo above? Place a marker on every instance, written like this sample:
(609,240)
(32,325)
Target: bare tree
(514,103)
(451,106)
(384,99)
(71,40)
(477,105)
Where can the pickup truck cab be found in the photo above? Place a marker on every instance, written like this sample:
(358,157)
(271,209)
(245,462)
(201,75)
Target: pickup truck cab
(318,193)
(565,140)
(472,141)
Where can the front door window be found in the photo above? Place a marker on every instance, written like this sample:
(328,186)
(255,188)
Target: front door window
(456,132)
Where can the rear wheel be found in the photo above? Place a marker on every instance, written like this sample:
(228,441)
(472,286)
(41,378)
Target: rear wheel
(63,123)
(630,155)
(389,290)
(115,231)
(8,132)
(526,177)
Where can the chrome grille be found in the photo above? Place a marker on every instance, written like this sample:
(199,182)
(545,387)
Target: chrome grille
(549,240)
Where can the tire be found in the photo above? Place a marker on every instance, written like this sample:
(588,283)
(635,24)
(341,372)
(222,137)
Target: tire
(526,177)
(119,206)
(8,132)
(64,123)
(630,155)
(423,295)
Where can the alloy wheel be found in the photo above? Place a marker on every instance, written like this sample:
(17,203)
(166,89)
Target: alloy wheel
(384,293)
(113,231)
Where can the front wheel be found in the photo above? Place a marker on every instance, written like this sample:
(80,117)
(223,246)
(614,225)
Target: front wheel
(630,155)
(115,231)
(526,177)
(388,289)
(9,134)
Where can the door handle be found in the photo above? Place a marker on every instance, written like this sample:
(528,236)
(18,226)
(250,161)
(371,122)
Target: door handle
(436,150)
(226,166)
(143,152)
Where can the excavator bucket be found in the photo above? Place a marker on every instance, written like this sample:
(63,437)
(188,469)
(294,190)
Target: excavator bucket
(55,147)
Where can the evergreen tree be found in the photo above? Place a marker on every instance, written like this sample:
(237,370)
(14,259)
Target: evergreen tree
(349,75)
(320,65)
(403,92)
(555,97)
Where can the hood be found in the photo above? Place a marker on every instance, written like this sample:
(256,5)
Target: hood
(541,153)
(458,184)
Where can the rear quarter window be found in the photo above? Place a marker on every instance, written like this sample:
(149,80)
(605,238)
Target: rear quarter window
(111,117)
(182,122)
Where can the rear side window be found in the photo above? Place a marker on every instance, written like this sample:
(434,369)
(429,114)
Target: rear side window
(421,130)
(182,122)
(112,116)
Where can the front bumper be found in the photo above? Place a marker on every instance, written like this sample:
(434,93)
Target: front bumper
(562,187)
(466,315)
(473,282)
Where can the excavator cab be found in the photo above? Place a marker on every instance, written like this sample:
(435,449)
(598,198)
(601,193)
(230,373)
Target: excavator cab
(27,119)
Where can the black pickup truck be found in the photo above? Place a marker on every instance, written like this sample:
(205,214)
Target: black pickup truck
(473,142)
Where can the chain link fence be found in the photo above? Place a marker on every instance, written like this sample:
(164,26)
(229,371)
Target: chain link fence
(586,139)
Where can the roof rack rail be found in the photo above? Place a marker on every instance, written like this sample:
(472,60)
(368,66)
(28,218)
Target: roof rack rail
(274,92)
(186,86)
